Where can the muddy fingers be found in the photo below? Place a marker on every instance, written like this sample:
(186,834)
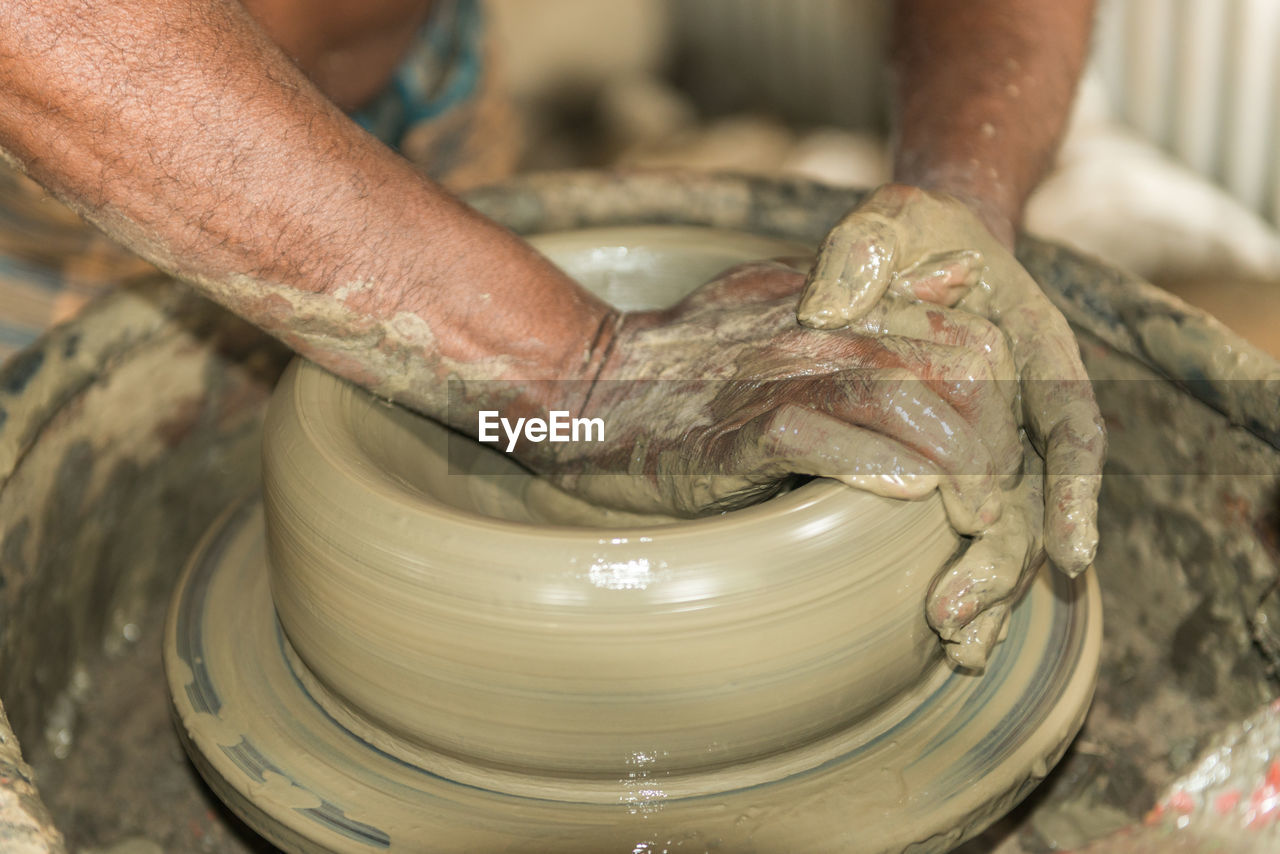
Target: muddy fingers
(965,597)
(938,251)
(970,600)
(852,273)
(810,442)
(972,646)
(881,441)
(953,328)
(1063,419)
(1075,453)
(963,377)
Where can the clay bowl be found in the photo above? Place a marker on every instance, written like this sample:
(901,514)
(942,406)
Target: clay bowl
(467,615)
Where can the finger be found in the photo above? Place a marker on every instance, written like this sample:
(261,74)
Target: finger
(972,502)
(964,377)
(968,340)
(968,604)
(953,328)
(894,403)
(974,644)
(852,273)
(1063,419)
(897,405)
(890,396)
(890,484)
(805,441)
(985,574)
(1077,444)
(943,279)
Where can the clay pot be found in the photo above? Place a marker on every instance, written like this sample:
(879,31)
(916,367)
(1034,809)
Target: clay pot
(446,603)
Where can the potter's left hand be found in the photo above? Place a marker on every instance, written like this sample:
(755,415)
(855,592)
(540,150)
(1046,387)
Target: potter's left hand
(918,245)
(718,400)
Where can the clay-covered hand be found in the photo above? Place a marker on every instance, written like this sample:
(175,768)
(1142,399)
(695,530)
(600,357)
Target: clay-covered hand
(905,243)
(716,402)
(970,601)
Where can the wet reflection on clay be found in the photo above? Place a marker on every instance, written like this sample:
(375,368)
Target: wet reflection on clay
(925,773)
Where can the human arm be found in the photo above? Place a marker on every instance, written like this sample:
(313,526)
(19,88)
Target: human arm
(982,91)
(982,94)
(182,131)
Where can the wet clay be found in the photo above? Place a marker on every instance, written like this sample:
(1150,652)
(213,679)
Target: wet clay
(906,399)
(546,676)
(786,601)
(925,773)
(25,826)
(712,642)
(1250,308)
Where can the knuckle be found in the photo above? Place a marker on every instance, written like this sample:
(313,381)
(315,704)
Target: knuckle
(779,430)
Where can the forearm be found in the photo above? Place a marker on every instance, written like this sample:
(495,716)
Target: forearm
(183,132)
(982,92)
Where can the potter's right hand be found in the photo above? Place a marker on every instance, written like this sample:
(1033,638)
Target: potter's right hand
(717,401)
(905,242)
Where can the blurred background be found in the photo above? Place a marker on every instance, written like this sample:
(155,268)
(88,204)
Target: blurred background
(1170,167)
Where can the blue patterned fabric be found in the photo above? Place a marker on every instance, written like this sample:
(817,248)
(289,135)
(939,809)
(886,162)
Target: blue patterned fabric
(52,264)
(442,70)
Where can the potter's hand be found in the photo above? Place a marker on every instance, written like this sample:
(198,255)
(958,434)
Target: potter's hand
(718,400)
(911,244)
(969,602)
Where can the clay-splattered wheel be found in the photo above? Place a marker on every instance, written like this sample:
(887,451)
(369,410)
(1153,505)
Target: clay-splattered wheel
(598,752)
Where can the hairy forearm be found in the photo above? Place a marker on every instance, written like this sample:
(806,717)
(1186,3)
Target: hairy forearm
(182,131)
(982,93)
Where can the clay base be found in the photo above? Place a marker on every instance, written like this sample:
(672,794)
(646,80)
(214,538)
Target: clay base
(925,776)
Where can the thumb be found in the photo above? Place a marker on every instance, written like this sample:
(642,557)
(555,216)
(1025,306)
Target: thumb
(854,268)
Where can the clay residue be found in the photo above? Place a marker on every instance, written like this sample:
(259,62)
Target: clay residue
(25,825)
(1188,568)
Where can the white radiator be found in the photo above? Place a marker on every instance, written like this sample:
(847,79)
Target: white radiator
(1200,78)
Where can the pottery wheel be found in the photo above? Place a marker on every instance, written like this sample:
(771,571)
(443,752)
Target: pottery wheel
(969,751)
(844,730)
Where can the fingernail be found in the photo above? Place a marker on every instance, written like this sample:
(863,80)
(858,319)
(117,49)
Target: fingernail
(822,318)
(978,639)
